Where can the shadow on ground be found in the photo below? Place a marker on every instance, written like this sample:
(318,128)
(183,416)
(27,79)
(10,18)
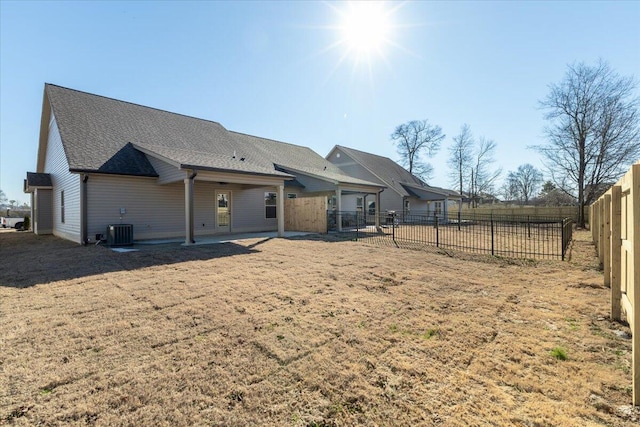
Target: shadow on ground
(27,259)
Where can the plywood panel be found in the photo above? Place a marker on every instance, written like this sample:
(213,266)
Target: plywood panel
(306,214)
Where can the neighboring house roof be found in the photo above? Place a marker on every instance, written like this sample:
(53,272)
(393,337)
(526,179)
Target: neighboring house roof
(395,176)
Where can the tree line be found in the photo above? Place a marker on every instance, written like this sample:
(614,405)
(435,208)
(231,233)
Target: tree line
(592,137)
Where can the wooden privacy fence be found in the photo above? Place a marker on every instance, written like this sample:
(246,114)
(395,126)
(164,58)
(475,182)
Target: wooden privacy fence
(533,211)
(615,228)
(306,214)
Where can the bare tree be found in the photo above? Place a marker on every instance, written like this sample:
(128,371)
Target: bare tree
(593,130)
(525,182)
(482,177)
(508,191)
(3,198)
(460,156)
(414,137)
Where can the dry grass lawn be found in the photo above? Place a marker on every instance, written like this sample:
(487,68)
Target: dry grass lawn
(305,332)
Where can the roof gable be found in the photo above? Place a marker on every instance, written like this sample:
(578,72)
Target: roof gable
(391,173)
(128,161)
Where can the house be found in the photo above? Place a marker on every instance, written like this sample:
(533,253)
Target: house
(102,161)
(405,193)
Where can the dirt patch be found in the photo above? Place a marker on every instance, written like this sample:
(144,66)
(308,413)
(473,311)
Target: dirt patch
(305,332)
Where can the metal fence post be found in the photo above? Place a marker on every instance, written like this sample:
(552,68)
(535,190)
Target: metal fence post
(492,251)
(437,234)
(529,226)
(563,245)
(393,227)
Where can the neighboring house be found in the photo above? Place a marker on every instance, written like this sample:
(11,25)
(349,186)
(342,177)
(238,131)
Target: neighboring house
(405,193)
(102,161)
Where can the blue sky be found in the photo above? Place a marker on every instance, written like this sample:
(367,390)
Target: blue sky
(278,69)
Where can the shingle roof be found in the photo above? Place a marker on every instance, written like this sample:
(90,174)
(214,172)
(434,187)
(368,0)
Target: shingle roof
(296,158)
(393,175)
(128,161)
(38,179)
(101,134)
(194,159)
(96,132)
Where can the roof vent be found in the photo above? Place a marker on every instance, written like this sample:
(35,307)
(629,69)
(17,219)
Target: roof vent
(234,154)
(242,159)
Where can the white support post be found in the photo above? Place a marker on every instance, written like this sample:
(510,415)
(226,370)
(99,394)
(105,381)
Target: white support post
(280,210)
(377,210)
(188,210)
(446,209)
(33,211)
(339,208)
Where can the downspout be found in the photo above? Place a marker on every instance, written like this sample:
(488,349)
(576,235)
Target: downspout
(404,206)
(84,215)
(365,208)
(377,211)
(189,201)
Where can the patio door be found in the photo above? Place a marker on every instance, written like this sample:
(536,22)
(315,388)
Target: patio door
(223,211)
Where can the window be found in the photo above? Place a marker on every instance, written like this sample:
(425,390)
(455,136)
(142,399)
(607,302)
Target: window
(359,204)
(371,208)
(438,208)
(270,205)
(407,206)
(292,196)
(62,206)
(331,201)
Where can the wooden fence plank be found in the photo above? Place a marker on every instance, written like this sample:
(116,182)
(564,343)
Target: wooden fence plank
(541,211)
(615,227)
(635,297)
(606,239)
(306,214)
(616,248)
(601,225)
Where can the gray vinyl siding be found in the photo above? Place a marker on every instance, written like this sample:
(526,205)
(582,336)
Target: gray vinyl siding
(314,185)
(167,173)
(354,169)
(420,206)
(204,205)
(349,202)
(249,213)
(43,214)
(62,180)
(158,211)
(390,200)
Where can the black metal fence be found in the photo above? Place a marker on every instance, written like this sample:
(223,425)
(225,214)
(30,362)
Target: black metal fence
(508,236)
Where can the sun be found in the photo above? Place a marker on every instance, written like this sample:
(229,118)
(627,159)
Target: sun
(364,34)
(365,27)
